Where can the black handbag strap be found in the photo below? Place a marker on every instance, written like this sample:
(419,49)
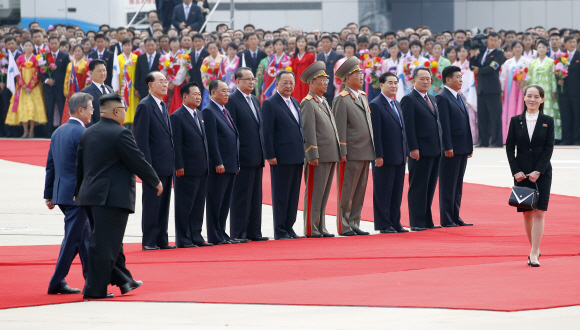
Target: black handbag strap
(536,183)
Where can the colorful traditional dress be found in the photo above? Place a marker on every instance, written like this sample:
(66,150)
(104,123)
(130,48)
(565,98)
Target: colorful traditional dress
(513,91)
(25,107)
(210,69)
(299,64)
(227,70)
(73,82)
(392,66)
(405,71)
(275,64)
(127,84)
(260,76)
(470,95)
(338,83)
(542,73)
(372,68)
(442,63)
(177,78)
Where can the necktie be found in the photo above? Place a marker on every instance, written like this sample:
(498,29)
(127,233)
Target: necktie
(196,121)
(100,56)
(484,56)
(290,107)
(228,118)
(429,102)
(186,12)
(325,58)
(164,113)
(394,108)
(461,102)
(252,106)
(150,61)
(255,56)
(103,89)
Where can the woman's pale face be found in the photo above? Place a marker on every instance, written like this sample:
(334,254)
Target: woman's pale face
(340,50)
(416,50)
(384,46)
(174,45)
(394,50)
(349,51)
(375,51)
(533,99)
(301,44)
(528,40)
(451,55)
(78,53)
(542,49)
(462,55)
(517,50)
(213,50)
(231,52)
(279,47)
(269,50)
(436,50)
(127,48)
(28,47)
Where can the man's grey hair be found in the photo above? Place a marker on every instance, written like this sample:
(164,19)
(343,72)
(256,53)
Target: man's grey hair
(78,100)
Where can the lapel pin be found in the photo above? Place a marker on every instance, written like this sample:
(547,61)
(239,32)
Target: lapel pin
(545,125)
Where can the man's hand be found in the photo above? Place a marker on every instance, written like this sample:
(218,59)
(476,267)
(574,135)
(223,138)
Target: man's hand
(179,172)
(533,176)
(171,86)
(48,203)
(220,169)
(415,154)
(313,162)
(272,161)
(520,176)
(554,96)
(470,155)
(186,80)
(50,82)
(2,86)
(159,189)
(561,82)
(475,69)
(137,93)
(343,158)
(379,162)
(182,25)
(449,153)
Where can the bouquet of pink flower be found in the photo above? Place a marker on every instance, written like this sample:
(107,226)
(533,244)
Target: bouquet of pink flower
(46,62)
(169,66)
(373,68)
(3,63)
(561,66)
(433,66)
(409,65)
(185,57)
(210,68)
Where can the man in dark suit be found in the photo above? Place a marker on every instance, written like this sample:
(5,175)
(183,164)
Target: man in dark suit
(98,70)
(224,164)
(107,162)
(187,15)
(246,208)
(457,144)
(146,63)
(198,53)
(191,166)
(329,57)
(487,66)
(105,55)
(284,146)
(54,85)
(570,95)
(59,189)
(152,129)
(165,12)
(121,35)
(252,56)
(392,151)
(424,137)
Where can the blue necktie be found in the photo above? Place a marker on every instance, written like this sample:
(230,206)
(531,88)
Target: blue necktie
(150,61)
(462,104)
(196,121)
(164,112)
(394,108)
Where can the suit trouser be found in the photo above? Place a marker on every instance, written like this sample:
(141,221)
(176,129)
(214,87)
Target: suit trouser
(190,193)
(352,178)
(285,180)
(451,172)
(106,257)
(489,119)
(77,233)
(52,97)
(246,205)
(165,15)
(570,118)
(423,176)
(388,183)
(318,180)
(219,195)
(155,216)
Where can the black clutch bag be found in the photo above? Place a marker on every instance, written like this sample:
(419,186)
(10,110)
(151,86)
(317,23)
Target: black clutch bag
(524,197)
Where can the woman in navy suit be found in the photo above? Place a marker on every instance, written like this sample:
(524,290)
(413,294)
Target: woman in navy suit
(532,133)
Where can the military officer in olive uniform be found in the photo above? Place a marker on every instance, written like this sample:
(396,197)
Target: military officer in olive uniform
(355,132)
(322,149)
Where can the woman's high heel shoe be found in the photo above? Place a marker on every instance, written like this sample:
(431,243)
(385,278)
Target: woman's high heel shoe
(532,264)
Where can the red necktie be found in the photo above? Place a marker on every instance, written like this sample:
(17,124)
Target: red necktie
(429,102)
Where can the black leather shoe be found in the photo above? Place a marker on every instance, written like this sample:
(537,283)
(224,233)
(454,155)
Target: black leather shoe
(168,247)
(388,230)
(402,230)
(434,227)
(204,244)
(349,233)
(64,290)
(315,236)
(360,232)
(109,295)
(241,240)
(258,239)
(418,228)
(284,237)
(461,224)
(297,236)
(223,242)
(130,286)
(234,241)
(150,248)
(451,225)
(187,246)
(327,235)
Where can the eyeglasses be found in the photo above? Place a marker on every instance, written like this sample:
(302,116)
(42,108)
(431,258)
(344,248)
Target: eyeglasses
(248,79)
(286,83)
(163,82)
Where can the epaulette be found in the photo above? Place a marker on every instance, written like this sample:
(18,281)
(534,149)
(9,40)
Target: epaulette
(308,97)
(343,93)
(363,93)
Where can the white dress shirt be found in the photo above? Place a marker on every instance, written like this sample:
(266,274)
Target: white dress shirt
(99,86)
(186,10)
(158,101)
(355,93)
(251,104)
(531,120)
(291,106)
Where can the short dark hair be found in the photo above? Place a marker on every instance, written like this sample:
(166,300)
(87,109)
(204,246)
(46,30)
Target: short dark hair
(555,34)
(384,76)
(510,32)
(30,24)
(402,39)
(96,62)
(568,38)
(150,77)
(415,43)
(52,38)
(543,42)
(460,31)
(232,45)
(107,98)
(249,34)
(282,72)
(416,71)
(126,41)
(282,40)
(213,85)
(187,87)
(150,39)
(249,25)
(197,36)
(390,33)
(494,34)
(449,71)
(239,72)
(33,32)
(326,36)
(100,36)
(350,44)
(163,36)
(362,38)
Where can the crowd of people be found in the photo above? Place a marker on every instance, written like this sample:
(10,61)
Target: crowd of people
(208,110)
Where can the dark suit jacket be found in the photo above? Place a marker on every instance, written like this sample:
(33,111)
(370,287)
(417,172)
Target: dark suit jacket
(60,181)
(389,136)
(488,74)
(107,161)
(283,135)
(142,70)
(421,124)
(332,59)
(62,60)
(531,155)
(249,127)
(154,136)
(96,94)
(119,49)
(109,58)
(454,119)
(195,72)
(250,63)
(222,139)
(194,20)
(191,152)
(572,81)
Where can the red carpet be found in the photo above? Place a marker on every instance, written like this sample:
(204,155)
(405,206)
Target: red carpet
(481,267)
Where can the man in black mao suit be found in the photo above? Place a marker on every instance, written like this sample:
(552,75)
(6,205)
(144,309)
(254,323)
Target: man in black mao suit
(329,57)
(424,137)
(191,166)
(105,55)
(54,85)
(152,129)
(198,53)
(194,19)
(107,161)
(251,56)
(146,63)
(246,208)
(284,145)
(457,144)
(570,95)
(223,146)
(487,66)
(392,151)
(98,70)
